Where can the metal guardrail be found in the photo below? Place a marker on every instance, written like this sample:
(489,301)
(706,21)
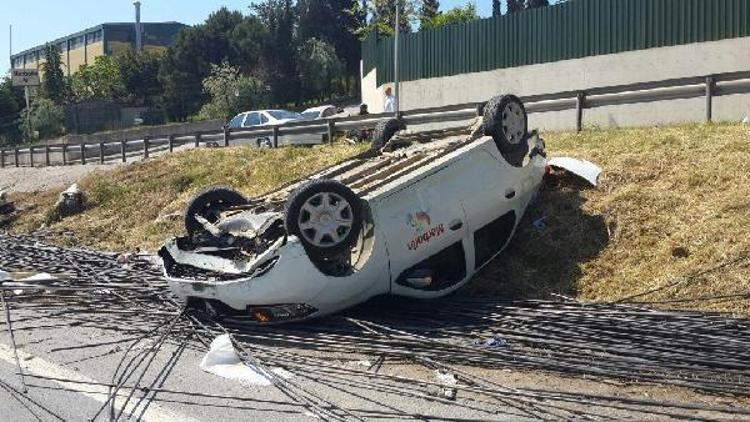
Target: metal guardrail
(108,152)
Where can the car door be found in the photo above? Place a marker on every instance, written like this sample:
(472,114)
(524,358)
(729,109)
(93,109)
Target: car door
(492,211)
(424,224)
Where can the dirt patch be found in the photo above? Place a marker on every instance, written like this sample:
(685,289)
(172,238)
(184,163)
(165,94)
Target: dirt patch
(27,179)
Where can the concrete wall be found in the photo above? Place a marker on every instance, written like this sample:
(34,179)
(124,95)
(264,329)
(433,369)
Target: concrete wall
(579,74)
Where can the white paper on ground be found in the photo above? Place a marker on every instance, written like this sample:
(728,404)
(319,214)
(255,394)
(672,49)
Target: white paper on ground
(582,168)
(445,377)
(222,360)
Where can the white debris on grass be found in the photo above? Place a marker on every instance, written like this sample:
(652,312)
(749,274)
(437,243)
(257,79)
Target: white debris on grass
(582,168)
(222,360)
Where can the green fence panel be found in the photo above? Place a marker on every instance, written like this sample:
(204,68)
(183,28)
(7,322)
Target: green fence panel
(574,29)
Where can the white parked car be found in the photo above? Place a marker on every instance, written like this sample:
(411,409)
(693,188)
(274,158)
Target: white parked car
(321,112)
(251,119)
(264,118)
(414,219)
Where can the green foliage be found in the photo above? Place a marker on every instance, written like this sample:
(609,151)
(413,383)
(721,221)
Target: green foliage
(459,14)
(225,36)
(139,78)
(335,22)
(231,93)
(430,9)
(53,79)
(531,4)
(496,8)
(383,17)
(102,80)
(46,118)
(11,103)
(317,67)
(515,6)
(279,55)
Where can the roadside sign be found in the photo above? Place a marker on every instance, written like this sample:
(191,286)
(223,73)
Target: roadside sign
(25,77)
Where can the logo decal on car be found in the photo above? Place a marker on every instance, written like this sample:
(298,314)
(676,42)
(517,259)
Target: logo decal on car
(421,222)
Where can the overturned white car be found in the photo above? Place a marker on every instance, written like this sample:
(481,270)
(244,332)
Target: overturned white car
(418,216)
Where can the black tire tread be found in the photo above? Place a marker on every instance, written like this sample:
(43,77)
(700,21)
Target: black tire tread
(492,121)
(384,131)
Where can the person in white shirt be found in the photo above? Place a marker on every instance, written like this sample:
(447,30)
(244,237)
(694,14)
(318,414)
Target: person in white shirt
(390,101)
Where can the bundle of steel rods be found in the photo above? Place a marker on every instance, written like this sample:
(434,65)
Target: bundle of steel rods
(455,335)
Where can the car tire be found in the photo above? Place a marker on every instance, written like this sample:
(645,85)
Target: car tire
(384,131)
(209,203)
(506,121)
(326,216)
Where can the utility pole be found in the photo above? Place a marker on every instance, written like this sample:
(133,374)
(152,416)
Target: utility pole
(138,33)
(395,58)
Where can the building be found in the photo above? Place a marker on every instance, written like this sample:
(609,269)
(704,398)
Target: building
(106,39)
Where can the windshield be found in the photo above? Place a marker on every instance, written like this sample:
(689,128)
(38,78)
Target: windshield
(283,115)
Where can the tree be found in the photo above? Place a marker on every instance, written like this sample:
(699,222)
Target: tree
(459,14)
(224,36)
(515,6)
(496,10)
(53,78)
(231,93)
(317,66)
(11,103)
(428,11)
(384,17)
(46,117)
(139,78)
(531,4)
(279,53)
(335,22)
(102,80)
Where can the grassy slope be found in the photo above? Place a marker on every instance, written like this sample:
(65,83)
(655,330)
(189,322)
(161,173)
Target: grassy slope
(665,193)
(672,201)
(125,204)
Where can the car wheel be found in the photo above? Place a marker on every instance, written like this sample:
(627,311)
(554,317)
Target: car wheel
(384,131)
(209,203)
(326,216)
(505,119)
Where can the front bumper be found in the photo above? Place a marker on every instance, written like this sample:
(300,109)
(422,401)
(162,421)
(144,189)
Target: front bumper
(288,278)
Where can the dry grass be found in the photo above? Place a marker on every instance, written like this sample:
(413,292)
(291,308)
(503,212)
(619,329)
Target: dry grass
(673,201)
(138,206)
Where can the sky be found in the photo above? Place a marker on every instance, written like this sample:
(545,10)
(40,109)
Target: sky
(38,21)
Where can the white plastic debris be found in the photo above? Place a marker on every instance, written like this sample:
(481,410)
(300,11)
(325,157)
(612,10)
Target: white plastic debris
(222,360)
(445,377)
(582,168)
(449,382)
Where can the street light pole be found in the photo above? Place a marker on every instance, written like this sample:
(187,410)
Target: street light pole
(395,58)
